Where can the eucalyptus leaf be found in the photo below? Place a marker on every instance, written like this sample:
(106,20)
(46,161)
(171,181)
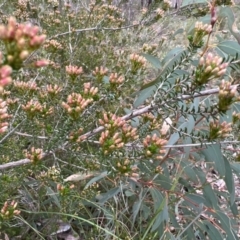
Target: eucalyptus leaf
(137,206)
(153,60)
(229,47)
(229,180)
(210,230)
(213,153)
(210,196)
(157,198)
(102,198)
(161,217)
(226,12)
(95,179)
(226,225)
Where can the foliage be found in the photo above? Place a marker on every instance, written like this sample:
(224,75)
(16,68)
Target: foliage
(119,128)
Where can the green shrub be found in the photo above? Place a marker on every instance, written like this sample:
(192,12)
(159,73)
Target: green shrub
(117,126)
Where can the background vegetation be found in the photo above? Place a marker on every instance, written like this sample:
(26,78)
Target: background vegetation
(119,119)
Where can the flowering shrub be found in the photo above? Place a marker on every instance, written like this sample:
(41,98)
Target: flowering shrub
(119,128)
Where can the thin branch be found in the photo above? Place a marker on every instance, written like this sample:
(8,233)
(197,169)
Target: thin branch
(129,116)
(14,164)
(94,29)
(29,135)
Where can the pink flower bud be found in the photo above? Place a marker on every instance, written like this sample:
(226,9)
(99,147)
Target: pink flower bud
(3,32)
(5,81)
(5,71)
(41,63)
(222,72)
(3,129)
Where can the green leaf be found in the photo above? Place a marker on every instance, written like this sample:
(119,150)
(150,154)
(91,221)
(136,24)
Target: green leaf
(236,168)
(102,198)
(134,121)
(157,198)
(226,225)
(164,181)
(153,60)
(146,211)
(201,175)
(95,179)
(161,216)
(189,2)
(186,184)
(143,95)
(226,12)
(229,180)
(187,149)
(53,195)
(210,230)
(210,196)
(234,209)
(137,206)
(172,57)
(179,31)
(195,199)
(189,171)
(229,47)
(173,139)
(213,154)
(173,54)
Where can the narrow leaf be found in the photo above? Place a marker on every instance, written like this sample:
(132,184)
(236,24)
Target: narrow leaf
(213,154)
(153,60)
(229,180)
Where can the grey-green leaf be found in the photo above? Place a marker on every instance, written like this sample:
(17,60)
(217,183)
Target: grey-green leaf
(153,60)
(213,154)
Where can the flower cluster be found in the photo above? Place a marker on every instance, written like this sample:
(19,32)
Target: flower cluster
(52,173)
(3,116)
(226,96)
(53,90)
(76,102)
(137,62)
(75,136)
(35,108)
(147,48)
(89,91)
(52,45)
(153,146)
(73,71)
(99,73)
(64,190)
(200,31)
(235,117)
(124,166)
(209,67)
(219,130)
(20,41)
(117,133)
(26,86)
(166,4)
(35,154)
(160,13)
(9,210)
(115,80)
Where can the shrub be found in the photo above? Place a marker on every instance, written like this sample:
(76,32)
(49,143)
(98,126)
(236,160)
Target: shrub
(119,128)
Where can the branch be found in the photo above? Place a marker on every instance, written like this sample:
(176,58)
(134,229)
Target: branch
(95,29)
(129,116)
